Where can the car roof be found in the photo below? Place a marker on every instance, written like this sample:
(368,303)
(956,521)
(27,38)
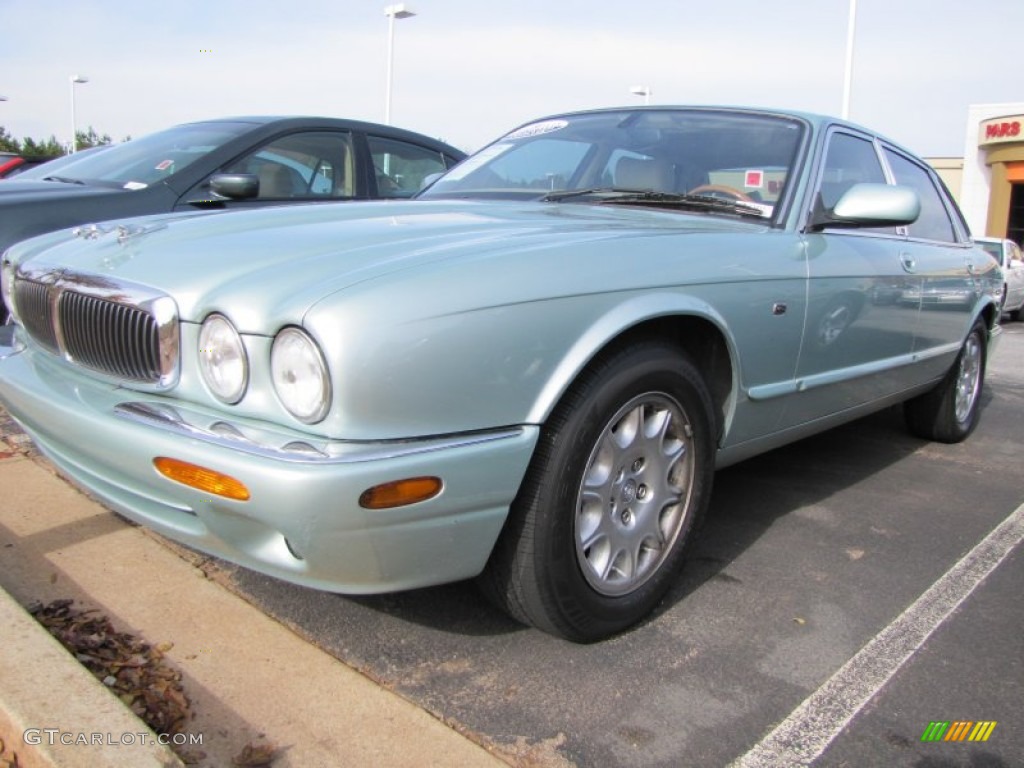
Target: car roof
(337,123)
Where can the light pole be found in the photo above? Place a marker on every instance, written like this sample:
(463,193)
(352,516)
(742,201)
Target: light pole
(851,31)
(75,80)
(398,11)
(642,90)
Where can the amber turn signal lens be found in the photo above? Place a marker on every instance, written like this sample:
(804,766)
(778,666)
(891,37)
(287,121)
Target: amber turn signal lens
(201,478)
(400,492)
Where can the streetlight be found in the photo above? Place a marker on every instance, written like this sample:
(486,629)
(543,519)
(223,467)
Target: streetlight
(848,77)
(398,11)
(75,80)
(642,90)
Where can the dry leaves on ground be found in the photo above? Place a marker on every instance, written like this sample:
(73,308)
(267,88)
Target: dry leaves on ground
(255,756)
(134,670)
(8,759)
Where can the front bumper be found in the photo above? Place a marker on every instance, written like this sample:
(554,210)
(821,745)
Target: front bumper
(303,522)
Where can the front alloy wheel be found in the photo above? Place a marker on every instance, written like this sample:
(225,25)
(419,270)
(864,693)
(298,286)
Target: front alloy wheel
(618,483)
(634,496)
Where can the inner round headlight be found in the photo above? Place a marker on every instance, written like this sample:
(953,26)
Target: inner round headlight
(300,375)
(222,359)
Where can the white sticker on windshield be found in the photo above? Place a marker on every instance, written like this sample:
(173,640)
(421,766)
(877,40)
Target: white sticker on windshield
(537,129)
(478,160)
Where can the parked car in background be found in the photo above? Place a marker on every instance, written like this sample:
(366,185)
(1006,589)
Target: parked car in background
(50,166)
(528,375)
(1011,261)
(221,164)
(13,164)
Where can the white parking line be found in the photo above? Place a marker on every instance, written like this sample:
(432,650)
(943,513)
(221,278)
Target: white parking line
(803,736)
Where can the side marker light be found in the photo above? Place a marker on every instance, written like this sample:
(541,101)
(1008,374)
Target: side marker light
(400,493)
(204,479)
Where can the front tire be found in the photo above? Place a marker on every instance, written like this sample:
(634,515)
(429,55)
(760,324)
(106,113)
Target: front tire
(950,412)
(620,479)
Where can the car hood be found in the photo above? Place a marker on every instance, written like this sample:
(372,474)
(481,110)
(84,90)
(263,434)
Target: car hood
(17,190)
(278,262)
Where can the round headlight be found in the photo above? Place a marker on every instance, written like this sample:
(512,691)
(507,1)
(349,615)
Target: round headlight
(300,376)
(222,359)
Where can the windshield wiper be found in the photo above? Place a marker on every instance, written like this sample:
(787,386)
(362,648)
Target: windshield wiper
(567,194)
(64,180)
(614,196)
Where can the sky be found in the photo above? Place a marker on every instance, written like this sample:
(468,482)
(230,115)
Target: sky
(467,72)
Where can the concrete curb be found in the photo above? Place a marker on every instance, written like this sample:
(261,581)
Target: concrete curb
(53,712)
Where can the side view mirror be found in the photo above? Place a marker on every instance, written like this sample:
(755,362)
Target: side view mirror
(235,186)
(429,179)
(870,205)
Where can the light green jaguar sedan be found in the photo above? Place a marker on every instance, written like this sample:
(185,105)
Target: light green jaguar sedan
(528,375)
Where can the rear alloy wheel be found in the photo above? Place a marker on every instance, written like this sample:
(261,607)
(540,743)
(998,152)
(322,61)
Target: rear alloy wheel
(949,413)
(620,478)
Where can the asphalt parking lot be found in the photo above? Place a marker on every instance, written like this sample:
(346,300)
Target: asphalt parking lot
(810,554)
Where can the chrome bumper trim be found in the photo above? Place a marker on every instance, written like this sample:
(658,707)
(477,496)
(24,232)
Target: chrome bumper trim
(284,447)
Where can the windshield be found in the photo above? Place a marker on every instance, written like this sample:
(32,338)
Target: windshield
(733,156)
(138,163)
(50,167)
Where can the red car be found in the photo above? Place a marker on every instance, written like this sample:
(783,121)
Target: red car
(12,164)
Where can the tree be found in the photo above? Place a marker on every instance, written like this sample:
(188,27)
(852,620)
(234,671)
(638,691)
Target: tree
(7,142)
(50,147)
(90,138)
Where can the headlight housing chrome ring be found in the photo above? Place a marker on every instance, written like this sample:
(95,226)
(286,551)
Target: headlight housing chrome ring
(300,375)
(223,361)
(7,269)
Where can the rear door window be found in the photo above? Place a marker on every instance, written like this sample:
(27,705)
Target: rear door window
(934,222)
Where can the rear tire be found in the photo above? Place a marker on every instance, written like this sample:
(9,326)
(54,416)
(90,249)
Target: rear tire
(949,413)
(620,478)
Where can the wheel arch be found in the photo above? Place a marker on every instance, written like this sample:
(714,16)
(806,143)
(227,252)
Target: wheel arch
(990,315)
(695,328)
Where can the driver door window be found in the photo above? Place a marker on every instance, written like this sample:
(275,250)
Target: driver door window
(850,160)
(301,166)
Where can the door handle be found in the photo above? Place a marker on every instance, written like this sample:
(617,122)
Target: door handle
(907,262)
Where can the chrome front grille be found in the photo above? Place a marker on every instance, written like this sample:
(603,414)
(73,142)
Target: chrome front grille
(119,329)
(110,337)
(36,311)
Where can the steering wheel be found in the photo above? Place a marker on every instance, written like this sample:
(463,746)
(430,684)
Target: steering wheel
(721,190)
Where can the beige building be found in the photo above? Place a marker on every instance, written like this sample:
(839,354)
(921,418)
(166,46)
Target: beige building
(990,187)
(951,171)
